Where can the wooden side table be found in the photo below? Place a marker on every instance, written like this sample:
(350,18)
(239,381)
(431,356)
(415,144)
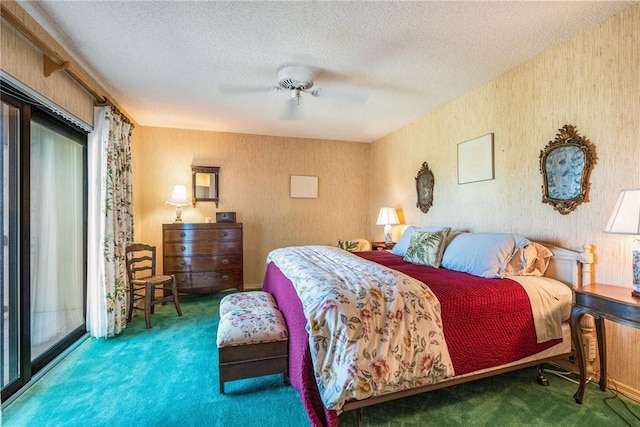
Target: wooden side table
(602,302)
(381,246)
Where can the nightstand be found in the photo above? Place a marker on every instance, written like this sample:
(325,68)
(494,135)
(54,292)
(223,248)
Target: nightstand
(602,302)
(381,246)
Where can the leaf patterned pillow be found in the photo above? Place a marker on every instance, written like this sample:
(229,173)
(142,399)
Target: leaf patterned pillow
(426,248)
(348,245)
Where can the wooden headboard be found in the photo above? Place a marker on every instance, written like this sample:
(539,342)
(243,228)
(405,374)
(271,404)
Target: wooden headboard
(571,267)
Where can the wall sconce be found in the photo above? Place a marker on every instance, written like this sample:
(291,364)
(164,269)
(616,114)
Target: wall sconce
(387,217)
(179,199)
(625,219)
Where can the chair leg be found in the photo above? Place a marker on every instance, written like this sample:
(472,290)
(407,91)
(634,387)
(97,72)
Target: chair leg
(174,291)
(148,304)
(131,298)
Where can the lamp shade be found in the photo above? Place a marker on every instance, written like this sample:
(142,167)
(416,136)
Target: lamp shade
(387,216)
(625,218)
(179,196)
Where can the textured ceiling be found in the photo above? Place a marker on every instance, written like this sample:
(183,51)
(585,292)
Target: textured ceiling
(164,62)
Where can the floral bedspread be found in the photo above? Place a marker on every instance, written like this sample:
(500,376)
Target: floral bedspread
(372,330)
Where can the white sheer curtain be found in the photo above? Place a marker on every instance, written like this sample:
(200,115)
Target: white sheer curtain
(56,244)
(110,222)
(96,164)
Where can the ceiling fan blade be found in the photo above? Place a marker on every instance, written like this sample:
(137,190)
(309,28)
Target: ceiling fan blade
(230,89)
(351,98)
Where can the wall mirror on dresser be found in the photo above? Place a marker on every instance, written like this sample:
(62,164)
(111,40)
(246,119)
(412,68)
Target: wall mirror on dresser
(205,184)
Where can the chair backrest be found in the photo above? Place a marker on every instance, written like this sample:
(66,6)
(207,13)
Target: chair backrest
(141,261)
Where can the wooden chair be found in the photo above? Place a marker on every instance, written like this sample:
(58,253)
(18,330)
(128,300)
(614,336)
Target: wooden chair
(143,281)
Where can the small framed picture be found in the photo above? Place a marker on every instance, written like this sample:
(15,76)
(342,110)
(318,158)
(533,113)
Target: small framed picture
(305,187)
(475,160)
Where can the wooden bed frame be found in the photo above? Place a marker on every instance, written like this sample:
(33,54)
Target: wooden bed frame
(573,268)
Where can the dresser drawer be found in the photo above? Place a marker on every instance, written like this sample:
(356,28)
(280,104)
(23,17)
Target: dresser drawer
(202,263)
(187,235)
(203,248)
(221,279)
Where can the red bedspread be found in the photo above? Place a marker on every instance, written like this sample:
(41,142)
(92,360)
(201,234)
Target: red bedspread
(487,323)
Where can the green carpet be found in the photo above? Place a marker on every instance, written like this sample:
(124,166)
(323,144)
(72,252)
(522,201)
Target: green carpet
(168,376)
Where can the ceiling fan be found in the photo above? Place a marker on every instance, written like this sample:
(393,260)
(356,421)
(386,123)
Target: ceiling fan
(297,79)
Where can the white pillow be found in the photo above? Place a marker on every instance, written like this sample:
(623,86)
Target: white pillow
(401,246)
(482,254)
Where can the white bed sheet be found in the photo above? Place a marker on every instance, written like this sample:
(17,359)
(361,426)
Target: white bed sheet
(550,303)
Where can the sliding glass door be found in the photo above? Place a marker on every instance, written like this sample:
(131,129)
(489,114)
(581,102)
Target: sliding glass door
(44,220)
(56,237)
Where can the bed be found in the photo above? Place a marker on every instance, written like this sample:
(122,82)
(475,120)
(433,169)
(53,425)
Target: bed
(480,337)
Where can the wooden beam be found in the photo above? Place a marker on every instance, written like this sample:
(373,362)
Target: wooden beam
(10,11)
(55,58)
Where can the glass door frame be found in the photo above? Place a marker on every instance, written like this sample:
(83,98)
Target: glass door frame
(20,239)
(17,268)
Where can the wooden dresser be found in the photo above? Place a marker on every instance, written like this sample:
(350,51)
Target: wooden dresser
(204,258)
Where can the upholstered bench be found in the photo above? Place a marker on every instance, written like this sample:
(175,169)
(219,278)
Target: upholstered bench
(246,301)
(252,342)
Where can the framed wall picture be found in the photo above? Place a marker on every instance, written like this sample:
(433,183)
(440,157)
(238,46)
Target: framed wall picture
(424,188)
(305,187)
(565,165)
(475,160)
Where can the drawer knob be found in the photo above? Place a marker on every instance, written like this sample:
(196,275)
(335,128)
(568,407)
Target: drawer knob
(182,248)
(183,234)
(225,233)
(225,261)
(182,264)
(224,246)
(225,277)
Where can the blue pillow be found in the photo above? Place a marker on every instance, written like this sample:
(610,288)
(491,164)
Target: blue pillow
(401,246)
(482,254)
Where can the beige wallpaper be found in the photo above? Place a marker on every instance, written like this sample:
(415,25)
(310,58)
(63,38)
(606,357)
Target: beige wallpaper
(254,182)
(591,82)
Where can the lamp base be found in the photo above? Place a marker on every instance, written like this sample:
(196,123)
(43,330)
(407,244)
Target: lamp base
(387,234)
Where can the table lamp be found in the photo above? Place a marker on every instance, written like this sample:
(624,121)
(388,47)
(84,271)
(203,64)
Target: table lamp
(387,217)
(179,199)
(625,219)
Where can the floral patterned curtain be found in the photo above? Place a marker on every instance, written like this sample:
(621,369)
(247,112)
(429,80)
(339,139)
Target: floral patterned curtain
(110,222)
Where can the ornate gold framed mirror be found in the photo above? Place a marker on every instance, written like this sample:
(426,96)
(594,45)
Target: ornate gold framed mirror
(566,164)
(424,188)
(205,184)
